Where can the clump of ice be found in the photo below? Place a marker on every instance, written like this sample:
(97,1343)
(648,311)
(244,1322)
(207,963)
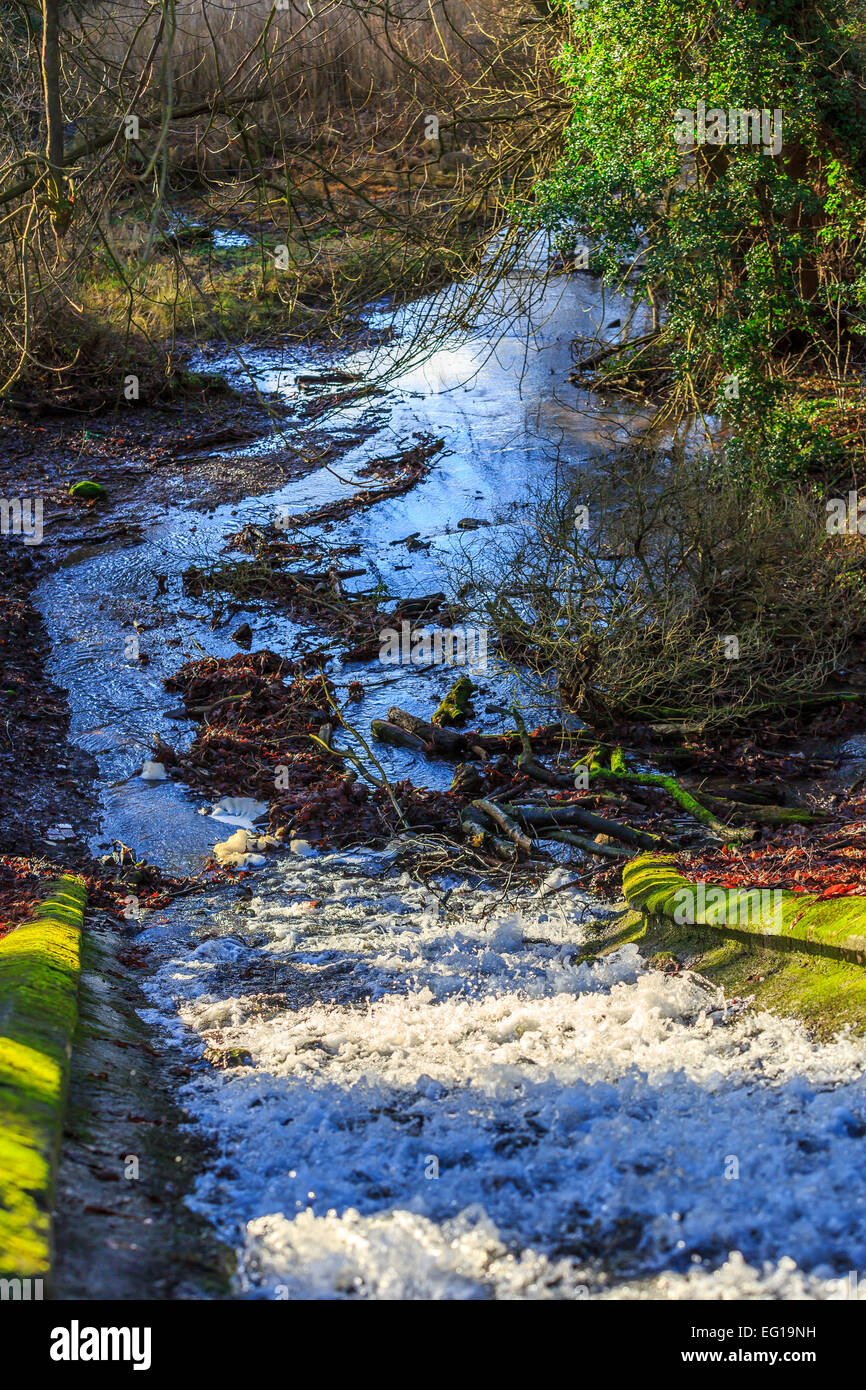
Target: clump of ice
(238,810)
(241,850)
(153,772)
(445,1104)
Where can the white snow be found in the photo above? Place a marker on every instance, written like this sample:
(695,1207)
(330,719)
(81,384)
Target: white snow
(445,1103)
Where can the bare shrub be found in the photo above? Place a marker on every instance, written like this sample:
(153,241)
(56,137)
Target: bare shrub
(674,596)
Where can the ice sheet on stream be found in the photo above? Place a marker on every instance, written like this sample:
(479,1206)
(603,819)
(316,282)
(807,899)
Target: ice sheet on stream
(582,1117)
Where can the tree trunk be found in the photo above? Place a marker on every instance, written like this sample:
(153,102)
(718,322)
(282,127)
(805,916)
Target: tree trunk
(53,111)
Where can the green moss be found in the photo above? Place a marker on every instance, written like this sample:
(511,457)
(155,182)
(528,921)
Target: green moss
(772,917)
(85,490)
(827,995)
(39,969)
(796,954)
(455,707)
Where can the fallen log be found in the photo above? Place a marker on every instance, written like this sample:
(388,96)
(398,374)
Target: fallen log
(399,738)
(443,740)
(756,793)
(568,837)
(529,765)
(763,814)
(564,816)
(456,706)
(452,743)
(617,772)
(532,767)
(475,829)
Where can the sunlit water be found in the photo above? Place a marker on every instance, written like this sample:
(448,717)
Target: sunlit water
(439,1100)
(500,399)
(430,1093)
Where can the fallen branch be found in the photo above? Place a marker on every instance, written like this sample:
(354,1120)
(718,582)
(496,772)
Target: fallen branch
(560,817)
(530,765)
(400,738)
(617,772)
(763,814)
(567,837)
(442,740)
(505,823)
(587,363)
(475,828)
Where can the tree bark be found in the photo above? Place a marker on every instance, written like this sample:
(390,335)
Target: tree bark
(53,111)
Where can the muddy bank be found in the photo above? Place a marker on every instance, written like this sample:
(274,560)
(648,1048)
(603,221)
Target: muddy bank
(116,1235)
(46,782)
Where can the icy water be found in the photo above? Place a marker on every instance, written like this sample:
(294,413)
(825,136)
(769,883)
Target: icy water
(434,1091)
(438,1099)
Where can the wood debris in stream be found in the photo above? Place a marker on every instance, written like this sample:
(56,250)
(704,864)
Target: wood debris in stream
(260,714)
(358,619)
(397,473)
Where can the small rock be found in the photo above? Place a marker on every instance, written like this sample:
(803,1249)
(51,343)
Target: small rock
(223,1057)
(470,523)
(87,491)
(243,635)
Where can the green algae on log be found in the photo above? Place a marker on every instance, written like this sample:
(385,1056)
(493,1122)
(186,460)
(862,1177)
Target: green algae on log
(826,994)
(39,974)
(618,772)
(455,707)
(768,917)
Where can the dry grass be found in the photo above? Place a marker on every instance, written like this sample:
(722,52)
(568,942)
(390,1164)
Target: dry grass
(307,125)
(321,53)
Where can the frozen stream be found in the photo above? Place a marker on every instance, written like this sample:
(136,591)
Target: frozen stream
(419,1094)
